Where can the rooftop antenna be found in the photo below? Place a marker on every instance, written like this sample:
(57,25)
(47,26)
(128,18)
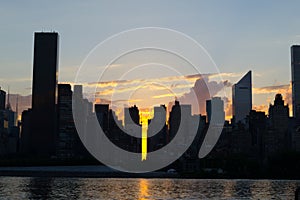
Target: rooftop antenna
(8,107)
(17,105)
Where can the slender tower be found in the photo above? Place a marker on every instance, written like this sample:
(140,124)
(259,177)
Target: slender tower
(8,106)
(295,64)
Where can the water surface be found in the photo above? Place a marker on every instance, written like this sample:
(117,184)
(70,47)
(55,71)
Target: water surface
(143,189)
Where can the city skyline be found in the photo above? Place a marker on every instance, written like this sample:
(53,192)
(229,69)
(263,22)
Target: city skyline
(150,99)
(24,102)
(265,52)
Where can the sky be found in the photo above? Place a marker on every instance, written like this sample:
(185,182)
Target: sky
(238,35)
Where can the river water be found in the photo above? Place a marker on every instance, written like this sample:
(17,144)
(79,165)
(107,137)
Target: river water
(143,189)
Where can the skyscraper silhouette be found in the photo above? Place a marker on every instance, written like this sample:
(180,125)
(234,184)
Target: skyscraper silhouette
(2,99)
(43,126)
(131,115)
(242,98)
(174,120)
(295,64)
(132,125)
(279,114)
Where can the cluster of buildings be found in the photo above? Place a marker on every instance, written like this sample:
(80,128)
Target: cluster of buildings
(9,126)
(48,128)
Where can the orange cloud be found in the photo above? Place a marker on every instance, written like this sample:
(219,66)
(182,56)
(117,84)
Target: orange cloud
(167,95)
(263,108)
(227,108)
(285,90)
(271,89)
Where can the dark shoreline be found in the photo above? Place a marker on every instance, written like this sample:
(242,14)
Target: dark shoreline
(78,172)
(84,175)
(106,172)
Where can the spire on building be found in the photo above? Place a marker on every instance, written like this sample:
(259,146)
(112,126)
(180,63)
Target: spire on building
(8,106)
(17,107)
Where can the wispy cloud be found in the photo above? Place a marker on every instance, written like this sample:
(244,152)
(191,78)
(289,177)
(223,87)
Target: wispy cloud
(167,95)
(14,80)
(285,90)
(271,89)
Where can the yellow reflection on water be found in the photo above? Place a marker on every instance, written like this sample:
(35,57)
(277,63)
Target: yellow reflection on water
(143,195)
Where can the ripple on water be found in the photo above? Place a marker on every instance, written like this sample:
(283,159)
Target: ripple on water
(144,189)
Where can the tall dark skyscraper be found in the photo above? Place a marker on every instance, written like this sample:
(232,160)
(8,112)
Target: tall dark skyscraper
(174,120)
(2,99)
(43,126)
(132,124)
(295,64)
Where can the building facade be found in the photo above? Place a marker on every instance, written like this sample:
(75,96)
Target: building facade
(242,98)
(215,108)
(45,61)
